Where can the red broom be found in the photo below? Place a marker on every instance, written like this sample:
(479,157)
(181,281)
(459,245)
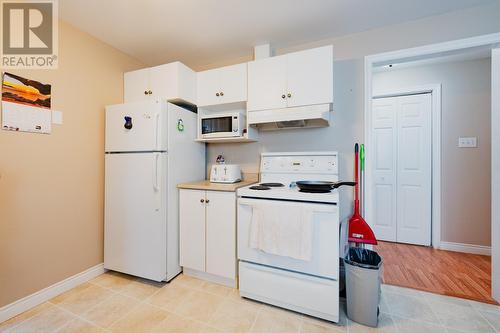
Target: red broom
(359,230)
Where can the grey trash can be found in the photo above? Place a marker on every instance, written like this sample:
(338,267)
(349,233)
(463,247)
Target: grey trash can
(363,276)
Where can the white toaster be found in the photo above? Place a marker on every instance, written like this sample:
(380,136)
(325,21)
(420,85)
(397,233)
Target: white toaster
(225,173)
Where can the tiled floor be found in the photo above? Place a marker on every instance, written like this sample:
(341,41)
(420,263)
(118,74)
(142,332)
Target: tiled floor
(442,272)
(118,303)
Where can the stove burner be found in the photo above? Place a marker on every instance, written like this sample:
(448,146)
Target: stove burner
(259,187)
(271,184)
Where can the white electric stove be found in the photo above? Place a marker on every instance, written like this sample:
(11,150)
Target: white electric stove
(307,286)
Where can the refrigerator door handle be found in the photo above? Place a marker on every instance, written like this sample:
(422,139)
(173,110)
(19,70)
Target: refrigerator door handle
(156,185)
(157,116)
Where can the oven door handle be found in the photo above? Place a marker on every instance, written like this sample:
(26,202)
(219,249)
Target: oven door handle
(314,207)
(245,202)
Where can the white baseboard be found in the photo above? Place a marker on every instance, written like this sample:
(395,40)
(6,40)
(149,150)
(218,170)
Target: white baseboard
(210,277)
(466,248)
(13,309)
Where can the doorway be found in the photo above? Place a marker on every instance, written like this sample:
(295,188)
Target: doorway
(402,167)
(467,232)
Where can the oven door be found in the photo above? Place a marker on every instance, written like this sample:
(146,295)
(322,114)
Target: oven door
(219,127)
(325,248)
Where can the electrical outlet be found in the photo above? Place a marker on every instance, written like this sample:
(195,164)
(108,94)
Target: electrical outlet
(467,142)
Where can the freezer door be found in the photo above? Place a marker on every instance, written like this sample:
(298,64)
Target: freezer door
(135,230)
(139,126)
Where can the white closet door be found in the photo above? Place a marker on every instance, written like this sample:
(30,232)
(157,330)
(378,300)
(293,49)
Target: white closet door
(384,168)
(402,169)
(414,169)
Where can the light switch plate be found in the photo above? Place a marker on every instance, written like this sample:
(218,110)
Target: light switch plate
(57,117)
(467,142)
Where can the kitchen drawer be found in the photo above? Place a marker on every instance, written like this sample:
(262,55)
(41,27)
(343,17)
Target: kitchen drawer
(314,296)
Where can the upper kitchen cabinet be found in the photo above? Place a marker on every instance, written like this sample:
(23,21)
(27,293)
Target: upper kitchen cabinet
(310,77)
(291,80)
(136,85)
(174,82)
(267,83)
(222,85)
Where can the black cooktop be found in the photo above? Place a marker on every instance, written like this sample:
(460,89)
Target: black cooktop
(259,187)
(271,184)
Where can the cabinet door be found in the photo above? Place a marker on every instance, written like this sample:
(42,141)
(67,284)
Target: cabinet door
(267,84)
(163,82)
(208,86)
(233,83)
(136,85)
(310,77)
(192,229)
(221,234)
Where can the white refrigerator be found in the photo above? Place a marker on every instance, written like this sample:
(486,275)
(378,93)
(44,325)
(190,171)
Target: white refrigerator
(150,147)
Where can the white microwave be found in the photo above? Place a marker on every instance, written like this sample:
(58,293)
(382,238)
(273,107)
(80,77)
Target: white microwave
(222,125)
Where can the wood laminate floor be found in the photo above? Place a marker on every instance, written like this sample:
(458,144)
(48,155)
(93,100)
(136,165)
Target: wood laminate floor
(442,272)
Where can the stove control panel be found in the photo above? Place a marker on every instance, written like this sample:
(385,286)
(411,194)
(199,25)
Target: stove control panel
(299,163)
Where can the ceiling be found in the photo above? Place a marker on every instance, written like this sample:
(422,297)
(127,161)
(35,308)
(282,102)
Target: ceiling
(201,32)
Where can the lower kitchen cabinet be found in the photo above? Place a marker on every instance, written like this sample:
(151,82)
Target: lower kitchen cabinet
(208,233)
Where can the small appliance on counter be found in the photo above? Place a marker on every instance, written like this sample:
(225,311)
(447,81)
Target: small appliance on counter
(225,173)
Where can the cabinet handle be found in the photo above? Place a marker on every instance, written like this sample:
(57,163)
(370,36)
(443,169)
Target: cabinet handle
(202,200)
(283,96)
(208,201)
(289,95)
(217,94)
(150,92)
(145,92)
(221,93)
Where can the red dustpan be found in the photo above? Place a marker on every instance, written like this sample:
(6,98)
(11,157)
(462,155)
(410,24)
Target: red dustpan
(359,230)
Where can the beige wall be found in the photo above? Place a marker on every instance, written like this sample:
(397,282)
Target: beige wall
(466,173)
(51,186)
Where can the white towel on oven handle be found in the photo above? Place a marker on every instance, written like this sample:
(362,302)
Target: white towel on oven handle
(282,229)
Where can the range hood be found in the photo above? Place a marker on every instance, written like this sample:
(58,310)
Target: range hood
(295,117)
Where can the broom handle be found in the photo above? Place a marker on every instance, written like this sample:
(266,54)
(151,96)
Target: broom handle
(356,189)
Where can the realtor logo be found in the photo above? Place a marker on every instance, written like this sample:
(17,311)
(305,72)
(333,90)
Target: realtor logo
(29,34)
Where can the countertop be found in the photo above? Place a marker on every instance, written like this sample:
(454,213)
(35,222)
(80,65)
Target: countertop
(208,186)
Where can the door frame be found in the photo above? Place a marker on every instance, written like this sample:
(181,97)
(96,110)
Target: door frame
(435,91)
(495,180)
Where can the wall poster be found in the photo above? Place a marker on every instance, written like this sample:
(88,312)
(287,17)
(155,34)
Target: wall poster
(25,105)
